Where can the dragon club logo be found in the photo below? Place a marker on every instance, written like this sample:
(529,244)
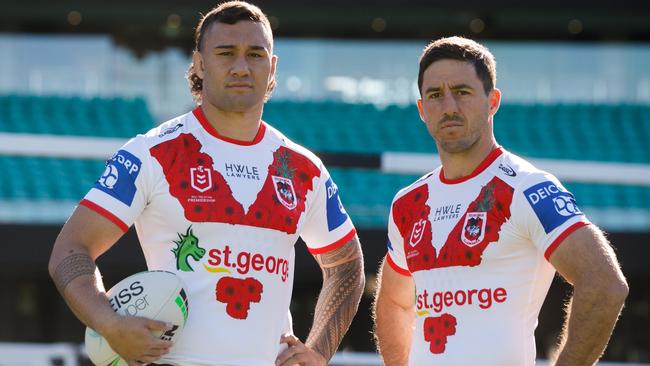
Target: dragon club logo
(285,192)
(283,181)
(474,228)
(187,246)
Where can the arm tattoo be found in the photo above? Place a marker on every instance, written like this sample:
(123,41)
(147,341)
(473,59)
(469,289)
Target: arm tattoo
(343,284)
(71,267)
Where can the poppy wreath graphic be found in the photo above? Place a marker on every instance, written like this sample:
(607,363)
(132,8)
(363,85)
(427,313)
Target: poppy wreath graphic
(205,195)
(436,331)
(238,294)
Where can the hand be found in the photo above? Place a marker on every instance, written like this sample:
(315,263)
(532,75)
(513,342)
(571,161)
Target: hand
(298,354)
(132,337)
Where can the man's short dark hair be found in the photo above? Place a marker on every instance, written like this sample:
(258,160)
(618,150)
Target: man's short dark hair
(461,49)
(229,12)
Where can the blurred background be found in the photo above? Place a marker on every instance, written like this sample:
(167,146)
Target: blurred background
(78,78)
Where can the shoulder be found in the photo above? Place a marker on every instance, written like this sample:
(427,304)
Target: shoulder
(417,189)
(518,172)
(296,149)
(170,129)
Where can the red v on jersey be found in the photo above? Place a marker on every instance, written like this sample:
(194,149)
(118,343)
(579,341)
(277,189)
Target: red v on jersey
(205,195)
(475,230)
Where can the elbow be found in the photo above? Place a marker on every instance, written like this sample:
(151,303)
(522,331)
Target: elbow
(620,290)
(617,288)
(51,266)
(613,293)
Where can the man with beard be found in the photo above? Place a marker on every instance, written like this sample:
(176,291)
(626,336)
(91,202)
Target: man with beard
(480,277)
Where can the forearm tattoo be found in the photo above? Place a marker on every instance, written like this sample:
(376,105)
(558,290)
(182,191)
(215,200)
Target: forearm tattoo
(71,267)
(343,283)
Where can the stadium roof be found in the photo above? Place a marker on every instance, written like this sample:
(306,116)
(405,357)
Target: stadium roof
(144,25)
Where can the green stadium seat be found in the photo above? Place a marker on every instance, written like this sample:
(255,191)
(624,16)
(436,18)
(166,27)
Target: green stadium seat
(74,116)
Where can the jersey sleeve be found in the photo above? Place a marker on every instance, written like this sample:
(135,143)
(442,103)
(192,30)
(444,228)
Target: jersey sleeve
(395,256)
(327,225)
(121,192)
(546,212)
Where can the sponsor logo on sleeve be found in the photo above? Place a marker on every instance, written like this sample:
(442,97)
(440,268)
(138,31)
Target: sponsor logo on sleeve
(170,130)
(118,179)
(507,169)
(336,214)
(389,245)
(552,205)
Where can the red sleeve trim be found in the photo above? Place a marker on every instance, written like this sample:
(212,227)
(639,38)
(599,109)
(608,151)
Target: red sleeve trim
(334,245)
(556,243)
(397,268)
(102,211)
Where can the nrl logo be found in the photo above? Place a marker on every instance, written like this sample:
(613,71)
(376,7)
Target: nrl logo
(201,178)
(474,228)
(418,232)
(284,191)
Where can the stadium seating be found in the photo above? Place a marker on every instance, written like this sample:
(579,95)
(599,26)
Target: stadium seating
(104,117)
(370,207)
(571,131)
(47,178)
(576,131)
(366,194)
(588,132)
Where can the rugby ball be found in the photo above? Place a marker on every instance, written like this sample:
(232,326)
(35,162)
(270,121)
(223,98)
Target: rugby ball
(158,295)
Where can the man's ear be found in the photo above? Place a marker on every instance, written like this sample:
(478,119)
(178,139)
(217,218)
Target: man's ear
(420,109)
(495,101)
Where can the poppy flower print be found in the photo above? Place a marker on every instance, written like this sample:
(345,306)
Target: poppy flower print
(436,331)
(238,294)
(475,230)
(205,195)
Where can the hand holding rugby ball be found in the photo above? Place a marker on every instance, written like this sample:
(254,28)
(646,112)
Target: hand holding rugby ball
(157,295)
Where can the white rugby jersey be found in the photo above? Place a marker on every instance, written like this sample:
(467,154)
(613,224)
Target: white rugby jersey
(478,248)
(224,215)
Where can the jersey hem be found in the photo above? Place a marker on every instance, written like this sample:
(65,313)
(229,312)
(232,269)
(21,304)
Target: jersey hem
(198,113)
(397,268)
(492,156)
(334,245)
(556,243)
(104,212)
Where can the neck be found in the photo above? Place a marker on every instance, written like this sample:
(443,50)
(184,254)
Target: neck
(241,126)
(462,164)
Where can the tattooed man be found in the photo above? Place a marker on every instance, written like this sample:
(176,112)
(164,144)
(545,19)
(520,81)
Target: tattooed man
(219,197)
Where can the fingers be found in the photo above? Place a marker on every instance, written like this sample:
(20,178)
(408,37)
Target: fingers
(157,325)
(290,340)
(296,353)
(288,353)
(138,343)
(158,328)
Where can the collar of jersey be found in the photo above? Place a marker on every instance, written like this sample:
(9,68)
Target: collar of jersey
(198,113)
(492,156)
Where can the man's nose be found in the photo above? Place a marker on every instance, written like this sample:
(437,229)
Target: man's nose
(449,103)
(240,66)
